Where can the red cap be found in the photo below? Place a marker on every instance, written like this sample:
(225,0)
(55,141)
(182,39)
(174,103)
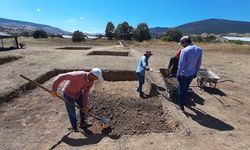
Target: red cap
(148,53)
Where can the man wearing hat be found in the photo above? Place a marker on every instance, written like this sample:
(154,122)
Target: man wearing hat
(188,67)
(141,67)
(76,90)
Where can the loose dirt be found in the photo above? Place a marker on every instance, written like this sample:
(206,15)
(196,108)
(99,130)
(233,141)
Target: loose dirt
(131,116)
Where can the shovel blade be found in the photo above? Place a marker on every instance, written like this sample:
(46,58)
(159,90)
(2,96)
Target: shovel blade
(104,120)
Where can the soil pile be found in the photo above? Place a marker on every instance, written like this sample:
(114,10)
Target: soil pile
(129,115)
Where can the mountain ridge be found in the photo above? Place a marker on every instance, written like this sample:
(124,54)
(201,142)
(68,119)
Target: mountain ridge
(16,26)
(211,26)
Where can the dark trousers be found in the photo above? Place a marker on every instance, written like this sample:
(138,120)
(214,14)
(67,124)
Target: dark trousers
(184,83)
(71,110)
(141,79)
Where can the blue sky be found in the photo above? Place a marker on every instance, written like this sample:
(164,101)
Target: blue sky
(93,15)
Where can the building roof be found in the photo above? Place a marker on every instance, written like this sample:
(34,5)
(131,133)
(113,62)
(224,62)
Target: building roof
(245,39)
(6,35)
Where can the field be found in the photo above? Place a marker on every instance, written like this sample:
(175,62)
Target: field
(215,118)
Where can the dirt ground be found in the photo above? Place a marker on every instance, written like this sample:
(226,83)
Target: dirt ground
(218,118)
(130,114)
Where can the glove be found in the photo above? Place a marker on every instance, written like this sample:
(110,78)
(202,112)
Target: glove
(53,94)
(85,110)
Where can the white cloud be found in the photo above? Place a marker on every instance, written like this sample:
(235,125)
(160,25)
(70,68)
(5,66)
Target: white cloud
(81,18)
(71,20)
(38,9)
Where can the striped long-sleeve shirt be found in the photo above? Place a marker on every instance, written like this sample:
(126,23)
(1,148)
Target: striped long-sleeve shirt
(77,83)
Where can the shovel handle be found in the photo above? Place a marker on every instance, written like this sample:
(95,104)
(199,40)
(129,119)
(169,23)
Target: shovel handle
(36,83)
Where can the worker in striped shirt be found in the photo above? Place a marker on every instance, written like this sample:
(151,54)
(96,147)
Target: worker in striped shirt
(76,90)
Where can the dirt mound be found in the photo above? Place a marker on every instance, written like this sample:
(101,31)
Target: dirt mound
(129,115)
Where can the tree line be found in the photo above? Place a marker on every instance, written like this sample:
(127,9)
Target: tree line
(126,32)
(123,31)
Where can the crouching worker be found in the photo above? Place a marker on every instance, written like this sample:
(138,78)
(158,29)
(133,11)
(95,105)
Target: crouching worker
(173,64)
(76,90)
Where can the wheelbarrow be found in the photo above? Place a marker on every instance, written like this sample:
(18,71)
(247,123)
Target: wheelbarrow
(171,83)
(206,76)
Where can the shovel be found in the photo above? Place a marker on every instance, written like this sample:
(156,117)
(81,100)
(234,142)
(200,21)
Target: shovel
(101,119)
(151,70)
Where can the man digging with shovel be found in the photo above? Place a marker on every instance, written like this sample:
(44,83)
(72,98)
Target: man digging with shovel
(76,90)
(140,71)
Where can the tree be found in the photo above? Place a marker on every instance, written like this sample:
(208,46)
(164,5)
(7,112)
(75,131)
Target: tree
(141,33)
(197,38)
(124,31)
(109,32)
(78,36)
(172,35)
(40,34)
(25,34)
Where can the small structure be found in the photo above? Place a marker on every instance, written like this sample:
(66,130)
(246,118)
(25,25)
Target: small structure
(4,36)
(230,38)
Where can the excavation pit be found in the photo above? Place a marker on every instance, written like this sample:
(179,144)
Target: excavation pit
(129,113)
(7,59)
(75,48)
(115,97)
(109,53)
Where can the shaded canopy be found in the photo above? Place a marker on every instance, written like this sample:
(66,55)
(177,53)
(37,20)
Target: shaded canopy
(5,35)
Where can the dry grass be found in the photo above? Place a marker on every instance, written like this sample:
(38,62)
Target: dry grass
(47,42)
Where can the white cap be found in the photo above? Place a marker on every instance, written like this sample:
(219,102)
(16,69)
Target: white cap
(97,72)
(184,39)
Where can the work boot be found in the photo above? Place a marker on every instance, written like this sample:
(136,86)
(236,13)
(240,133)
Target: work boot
(141,94)
(180,107)
(85,124)
(73,129)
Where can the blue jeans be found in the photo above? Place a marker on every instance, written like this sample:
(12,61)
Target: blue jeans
(71,110)
(141,79)
(184,83)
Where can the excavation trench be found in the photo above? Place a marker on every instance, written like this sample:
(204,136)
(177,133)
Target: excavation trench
(7,59)
(108,75)
(74,48)
(117,99)
(109,53)
(170,83)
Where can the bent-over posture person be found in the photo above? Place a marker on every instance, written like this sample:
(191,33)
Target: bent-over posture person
(76,90)
(173,64)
